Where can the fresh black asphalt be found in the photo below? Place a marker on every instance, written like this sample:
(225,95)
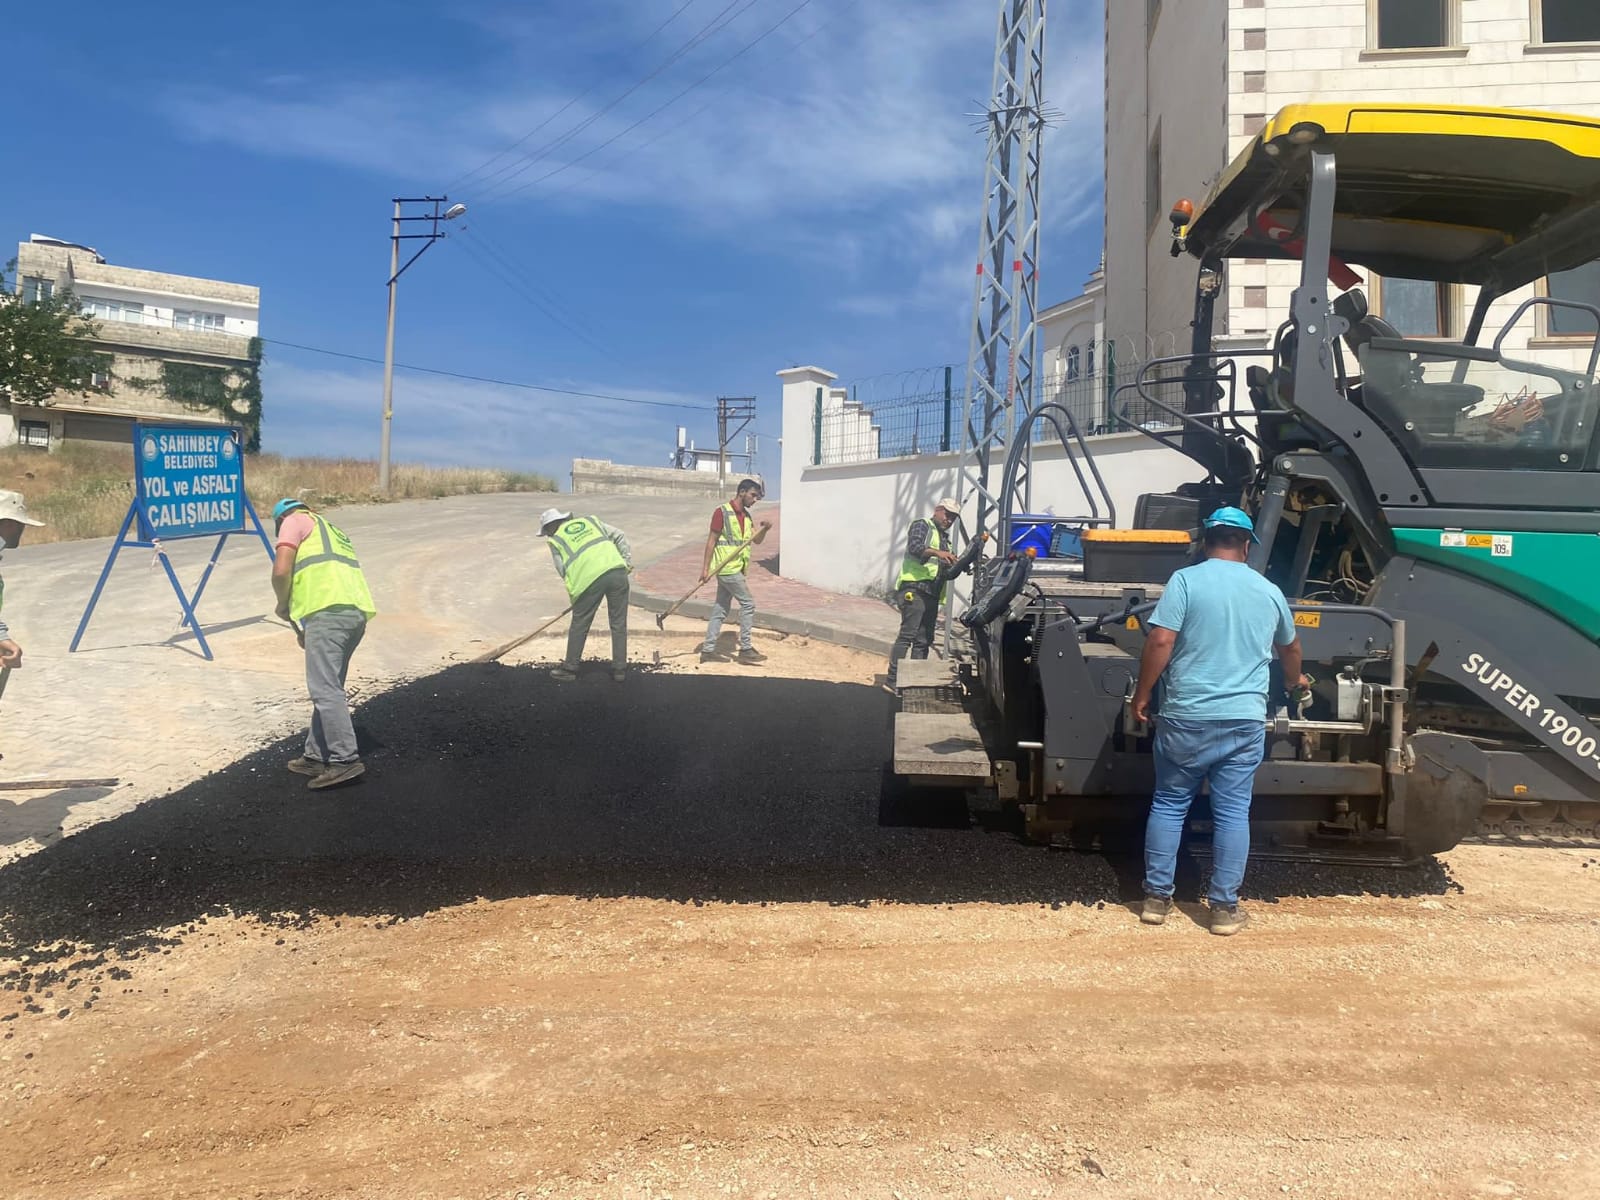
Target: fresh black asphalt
(494,781)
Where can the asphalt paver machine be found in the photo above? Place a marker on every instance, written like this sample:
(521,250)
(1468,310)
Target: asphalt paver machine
(1430,507)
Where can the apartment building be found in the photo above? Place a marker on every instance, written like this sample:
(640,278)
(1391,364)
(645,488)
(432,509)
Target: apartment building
(170,347)
(1190,82)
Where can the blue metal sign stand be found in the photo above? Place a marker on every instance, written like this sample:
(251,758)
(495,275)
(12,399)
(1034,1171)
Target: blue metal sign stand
(188,482)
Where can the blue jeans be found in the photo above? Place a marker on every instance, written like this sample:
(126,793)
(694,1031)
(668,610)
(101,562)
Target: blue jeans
(731,588)
(1225,753)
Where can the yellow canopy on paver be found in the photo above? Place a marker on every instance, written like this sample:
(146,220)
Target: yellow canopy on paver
(1450,193)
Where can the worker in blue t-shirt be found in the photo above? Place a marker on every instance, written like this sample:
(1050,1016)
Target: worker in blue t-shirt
(1211,642)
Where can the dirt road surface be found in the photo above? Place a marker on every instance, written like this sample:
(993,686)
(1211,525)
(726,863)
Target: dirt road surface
(675,938)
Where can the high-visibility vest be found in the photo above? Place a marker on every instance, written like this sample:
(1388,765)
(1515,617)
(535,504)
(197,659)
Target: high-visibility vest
(731,555)
(327,573)
(915,570)
(584,553)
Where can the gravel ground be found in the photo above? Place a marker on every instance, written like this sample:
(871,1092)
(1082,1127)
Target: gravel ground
(677,938)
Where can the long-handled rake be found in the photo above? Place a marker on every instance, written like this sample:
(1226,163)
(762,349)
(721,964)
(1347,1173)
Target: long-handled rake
(661,618)
(495,654)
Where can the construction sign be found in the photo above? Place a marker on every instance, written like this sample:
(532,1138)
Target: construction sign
(190,479)
(188,482)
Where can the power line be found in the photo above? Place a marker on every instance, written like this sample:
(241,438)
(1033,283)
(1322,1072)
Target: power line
(748,46)
(503,273)
(512,383)
(644,145)
(650,37)
(672,129)
(525,276)
(712,27)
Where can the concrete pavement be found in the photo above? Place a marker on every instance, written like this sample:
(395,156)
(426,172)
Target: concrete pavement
(451,577)
(783,605)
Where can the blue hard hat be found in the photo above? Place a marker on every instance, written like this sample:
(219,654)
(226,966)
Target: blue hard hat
(284,507)
(1235,517)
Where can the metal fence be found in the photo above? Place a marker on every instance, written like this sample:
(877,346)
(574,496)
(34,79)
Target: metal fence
(921,411)
(889,416)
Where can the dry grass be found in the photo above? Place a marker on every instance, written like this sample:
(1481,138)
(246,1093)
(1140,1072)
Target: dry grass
(82,490)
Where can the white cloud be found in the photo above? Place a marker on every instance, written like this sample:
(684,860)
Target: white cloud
(855,149)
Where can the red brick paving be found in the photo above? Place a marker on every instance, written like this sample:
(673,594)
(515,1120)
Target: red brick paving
(784,604)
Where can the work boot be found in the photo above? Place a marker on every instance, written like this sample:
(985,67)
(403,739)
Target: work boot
(337,773)
(750,656)
(563,674)
(1155,910)
(1228,919)
(307,766)
(712,656)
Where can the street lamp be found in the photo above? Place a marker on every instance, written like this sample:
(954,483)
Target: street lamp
(433,234)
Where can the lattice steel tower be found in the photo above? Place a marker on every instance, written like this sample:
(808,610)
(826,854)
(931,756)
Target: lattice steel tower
(1000,361)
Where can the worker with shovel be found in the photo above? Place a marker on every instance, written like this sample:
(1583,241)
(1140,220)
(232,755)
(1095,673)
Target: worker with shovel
(727,558)
(14,519)
(323,594)
(593,560)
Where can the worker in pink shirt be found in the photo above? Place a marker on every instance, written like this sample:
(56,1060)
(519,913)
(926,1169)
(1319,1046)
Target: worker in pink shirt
(321,590)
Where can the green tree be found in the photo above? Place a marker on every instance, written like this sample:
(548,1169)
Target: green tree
(43,346)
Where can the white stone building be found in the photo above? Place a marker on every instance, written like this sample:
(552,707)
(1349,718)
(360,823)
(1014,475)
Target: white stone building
(1190,82)
(1074,353)
(173,347)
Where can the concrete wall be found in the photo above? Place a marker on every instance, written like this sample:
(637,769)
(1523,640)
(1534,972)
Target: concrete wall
(844,526)
(1126,132)
(1166,86)
(602,475)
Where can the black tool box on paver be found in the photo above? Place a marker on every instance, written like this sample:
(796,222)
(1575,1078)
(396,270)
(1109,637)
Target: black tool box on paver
(1133,555)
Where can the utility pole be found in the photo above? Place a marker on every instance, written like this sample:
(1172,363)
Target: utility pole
(734,414)
(395,271)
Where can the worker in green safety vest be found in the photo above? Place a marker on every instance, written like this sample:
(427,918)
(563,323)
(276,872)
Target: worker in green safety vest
(14,519)
(321,591)
(593,560)
(727,559)
(919,590)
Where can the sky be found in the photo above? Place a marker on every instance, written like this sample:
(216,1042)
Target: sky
(668,200)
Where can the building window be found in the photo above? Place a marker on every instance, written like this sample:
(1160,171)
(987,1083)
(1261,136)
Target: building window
(127,311)
(1074,364)
(1417,308)
(211,322)
(36,288)
(1152,182)
(1088,361)
(1557,21)
(1582,284)
(34,433)
(1409,24)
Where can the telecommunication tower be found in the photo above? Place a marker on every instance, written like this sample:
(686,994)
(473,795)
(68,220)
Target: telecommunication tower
(1000,360)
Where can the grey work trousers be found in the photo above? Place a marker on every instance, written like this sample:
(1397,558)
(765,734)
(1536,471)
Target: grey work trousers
(612,587)
(332,636)
(729,589)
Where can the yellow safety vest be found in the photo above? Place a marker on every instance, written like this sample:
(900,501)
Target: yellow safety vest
(731,556)
(915,570)
(327,574)
(584,553)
